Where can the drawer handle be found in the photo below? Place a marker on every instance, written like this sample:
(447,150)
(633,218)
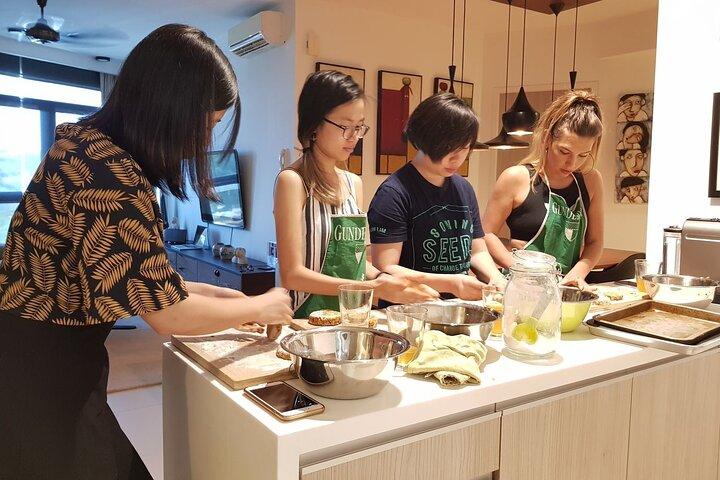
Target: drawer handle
(216,273)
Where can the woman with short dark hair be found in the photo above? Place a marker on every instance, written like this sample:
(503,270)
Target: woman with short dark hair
(85,249)
(424,219)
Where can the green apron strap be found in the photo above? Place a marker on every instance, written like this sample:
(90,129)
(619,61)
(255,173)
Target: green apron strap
(562,232)
(344,258)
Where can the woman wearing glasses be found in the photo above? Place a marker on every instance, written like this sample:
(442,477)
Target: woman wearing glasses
(552,202)
(321,230)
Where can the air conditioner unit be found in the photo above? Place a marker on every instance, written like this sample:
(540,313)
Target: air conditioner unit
(266,29)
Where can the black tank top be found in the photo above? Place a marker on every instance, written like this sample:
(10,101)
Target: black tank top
(525,220)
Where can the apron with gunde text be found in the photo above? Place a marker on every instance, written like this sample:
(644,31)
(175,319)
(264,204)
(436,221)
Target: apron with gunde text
(562,232)
(344,258)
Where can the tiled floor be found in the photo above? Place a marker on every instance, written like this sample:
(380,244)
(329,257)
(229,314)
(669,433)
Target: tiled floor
(139,412)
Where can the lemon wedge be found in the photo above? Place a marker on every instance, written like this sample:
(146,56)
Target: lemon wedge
(525,332)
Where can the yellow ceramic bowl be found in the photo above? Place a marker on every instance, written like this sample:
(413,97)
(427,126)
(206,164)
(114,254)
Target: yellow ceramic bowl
(575,306)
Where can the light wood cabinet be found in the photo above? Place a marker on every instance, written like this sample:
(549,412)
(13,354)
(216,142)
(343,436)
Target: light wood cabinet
(462,452)
(675,421)
(580,434)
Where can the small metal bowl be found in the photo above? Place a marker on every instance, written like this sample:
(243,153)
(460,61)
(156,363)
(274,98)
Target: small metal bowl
(344,362)
(681,289)
(455,318)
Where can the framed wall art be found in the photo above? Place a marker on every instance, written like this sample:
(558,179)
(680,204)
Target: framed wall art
(354,162)
(632,159)
(463,90)
(714,185)
(398,95)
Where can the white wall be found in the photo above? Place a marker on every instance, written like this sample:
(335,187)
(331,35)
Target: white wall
(412,39)
(687,75)
(266,83)
(613,58)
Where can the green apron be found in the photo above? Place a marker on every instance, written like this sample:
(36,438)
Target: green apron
(562,232)
(344,258)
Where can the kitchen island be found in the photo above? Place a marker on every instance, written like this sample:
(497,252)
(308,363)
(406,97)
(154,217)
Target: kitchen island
(598,409)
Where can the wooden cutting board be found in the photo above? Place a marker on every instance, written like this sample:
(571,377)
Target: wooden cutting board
(237,358)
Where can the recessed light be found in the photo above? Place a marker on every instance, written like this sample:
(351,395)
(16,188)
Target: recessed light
(102,59)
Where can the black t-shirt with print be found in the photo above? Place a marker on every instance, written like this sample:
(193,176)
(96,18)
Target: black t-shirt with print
(85,245)
(436,225)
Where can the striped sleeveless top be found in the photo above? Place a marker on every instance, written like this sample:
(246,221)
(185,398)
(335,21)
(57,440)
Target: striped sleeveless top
(316,231)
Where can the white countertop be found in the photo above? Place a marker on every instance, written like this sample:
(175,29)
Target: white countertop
(410,404)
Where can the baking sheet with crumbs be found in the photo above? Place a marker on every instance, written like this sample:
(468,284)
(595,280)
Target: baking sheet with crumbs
(669,322)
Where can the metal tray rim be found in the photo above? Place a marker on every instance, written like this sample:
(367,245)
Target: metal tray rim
(651,342)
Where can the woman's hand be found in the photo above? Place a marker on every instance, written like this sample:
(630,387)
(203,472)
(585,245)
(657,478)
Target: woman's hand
(273,306)
(402,290)
(468,287)
(578,282)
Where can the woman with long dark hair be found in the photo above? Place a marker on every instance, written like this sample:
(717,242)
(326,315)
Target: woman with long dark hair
(85,249)
(313,197)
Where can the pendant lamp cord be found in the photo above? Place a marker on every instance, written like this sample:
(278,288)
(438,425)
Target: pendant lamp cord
(552,88)
(452,53)
(507,53)
(522,66)
(575,41)
(462,59)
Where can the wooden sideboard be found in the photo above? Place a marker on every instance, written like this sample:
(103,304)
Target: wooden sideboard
(201,266)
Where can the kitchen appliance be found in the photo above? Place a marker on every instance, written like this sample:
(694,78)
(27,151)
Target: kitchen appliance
(700,249)
(671,250)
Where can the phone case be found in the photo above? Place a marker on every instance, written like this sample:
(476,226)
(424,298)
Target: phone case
(284,416)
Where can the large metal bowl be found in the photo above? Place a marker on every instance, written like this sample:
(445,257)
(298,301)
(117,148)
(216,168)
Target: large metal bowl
(681,289)
(344,362)
(454,318)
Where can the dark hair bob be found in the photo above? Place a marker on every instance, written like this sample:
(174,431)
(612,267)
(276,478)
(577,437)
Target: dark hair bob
(159,110)
(442,124)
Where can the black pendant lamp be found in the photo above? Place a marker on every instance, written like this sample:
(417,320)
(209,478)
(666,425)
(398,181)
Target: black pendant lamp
(521,117)
(504,141)
(573,73)
(556,8)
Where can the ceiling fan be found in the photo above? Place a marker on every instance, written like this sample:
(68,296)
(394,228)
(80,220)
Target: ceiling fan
(44,32)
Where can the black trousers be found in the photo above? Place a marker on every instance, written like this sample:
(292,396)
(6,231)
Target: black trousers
(55,422)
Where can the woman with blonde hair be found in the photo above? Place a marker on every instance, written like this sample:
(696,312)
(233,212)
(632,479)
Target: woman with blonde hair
(320,227)
(552,201)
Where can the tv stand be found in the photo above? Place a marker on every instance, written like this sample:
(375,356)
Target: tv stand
(255,278)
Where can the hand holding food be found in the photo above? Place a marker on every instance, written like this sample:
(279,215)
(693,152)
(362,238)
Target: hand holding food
(468,287)
(274,307)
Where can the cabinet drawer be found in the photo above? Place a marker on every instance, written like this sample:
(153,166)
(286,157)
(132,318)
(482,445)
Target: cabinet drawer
(188,268)
(210,274)
(172,257)
(463,451)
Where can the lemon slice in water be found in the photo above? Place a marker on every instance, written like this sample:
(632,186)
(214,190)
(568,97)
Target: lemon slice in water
(525,332)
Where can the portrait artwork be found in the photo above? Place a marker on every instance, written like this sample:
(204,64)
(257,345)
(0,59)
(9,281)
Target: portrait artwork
(632,152)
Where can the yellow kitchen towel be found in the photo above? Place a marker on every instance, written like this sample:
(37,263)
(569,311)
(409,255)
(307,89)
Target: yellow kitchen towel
(451,359)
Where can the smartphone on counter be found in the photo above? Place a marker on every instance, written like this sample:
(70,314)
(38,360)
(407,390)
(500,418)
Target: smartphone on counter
(283,400)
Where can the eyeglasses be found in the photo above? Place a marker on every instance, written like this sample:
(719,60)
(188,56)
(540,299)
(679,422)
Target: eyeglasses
(350,132)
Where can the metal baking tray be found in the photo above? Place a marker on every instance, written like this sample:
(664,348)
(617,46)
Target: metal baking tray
(602,325)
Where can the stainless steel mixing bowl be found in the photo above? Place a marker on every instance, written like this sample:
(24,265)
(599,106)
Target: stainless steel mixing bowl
(454,318)
(344,362)
(681,289)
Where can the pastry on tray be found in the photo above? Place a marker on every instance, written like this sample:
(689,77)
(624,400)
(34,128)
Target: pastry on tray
(324,318)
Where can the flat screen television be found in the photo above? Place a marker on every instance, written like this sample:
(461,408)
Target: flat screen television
(228,211)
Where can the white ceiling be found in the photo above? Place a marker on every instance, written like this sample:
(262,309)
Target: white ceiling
(125,22)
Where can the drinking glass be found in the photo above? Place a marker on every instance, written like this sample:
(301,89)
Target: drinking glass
(355,304)
(493,299)
(644,267)
(407,321)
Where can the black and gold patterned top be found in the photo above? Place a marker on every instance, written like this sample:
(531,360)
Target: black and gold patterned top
(85,245)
